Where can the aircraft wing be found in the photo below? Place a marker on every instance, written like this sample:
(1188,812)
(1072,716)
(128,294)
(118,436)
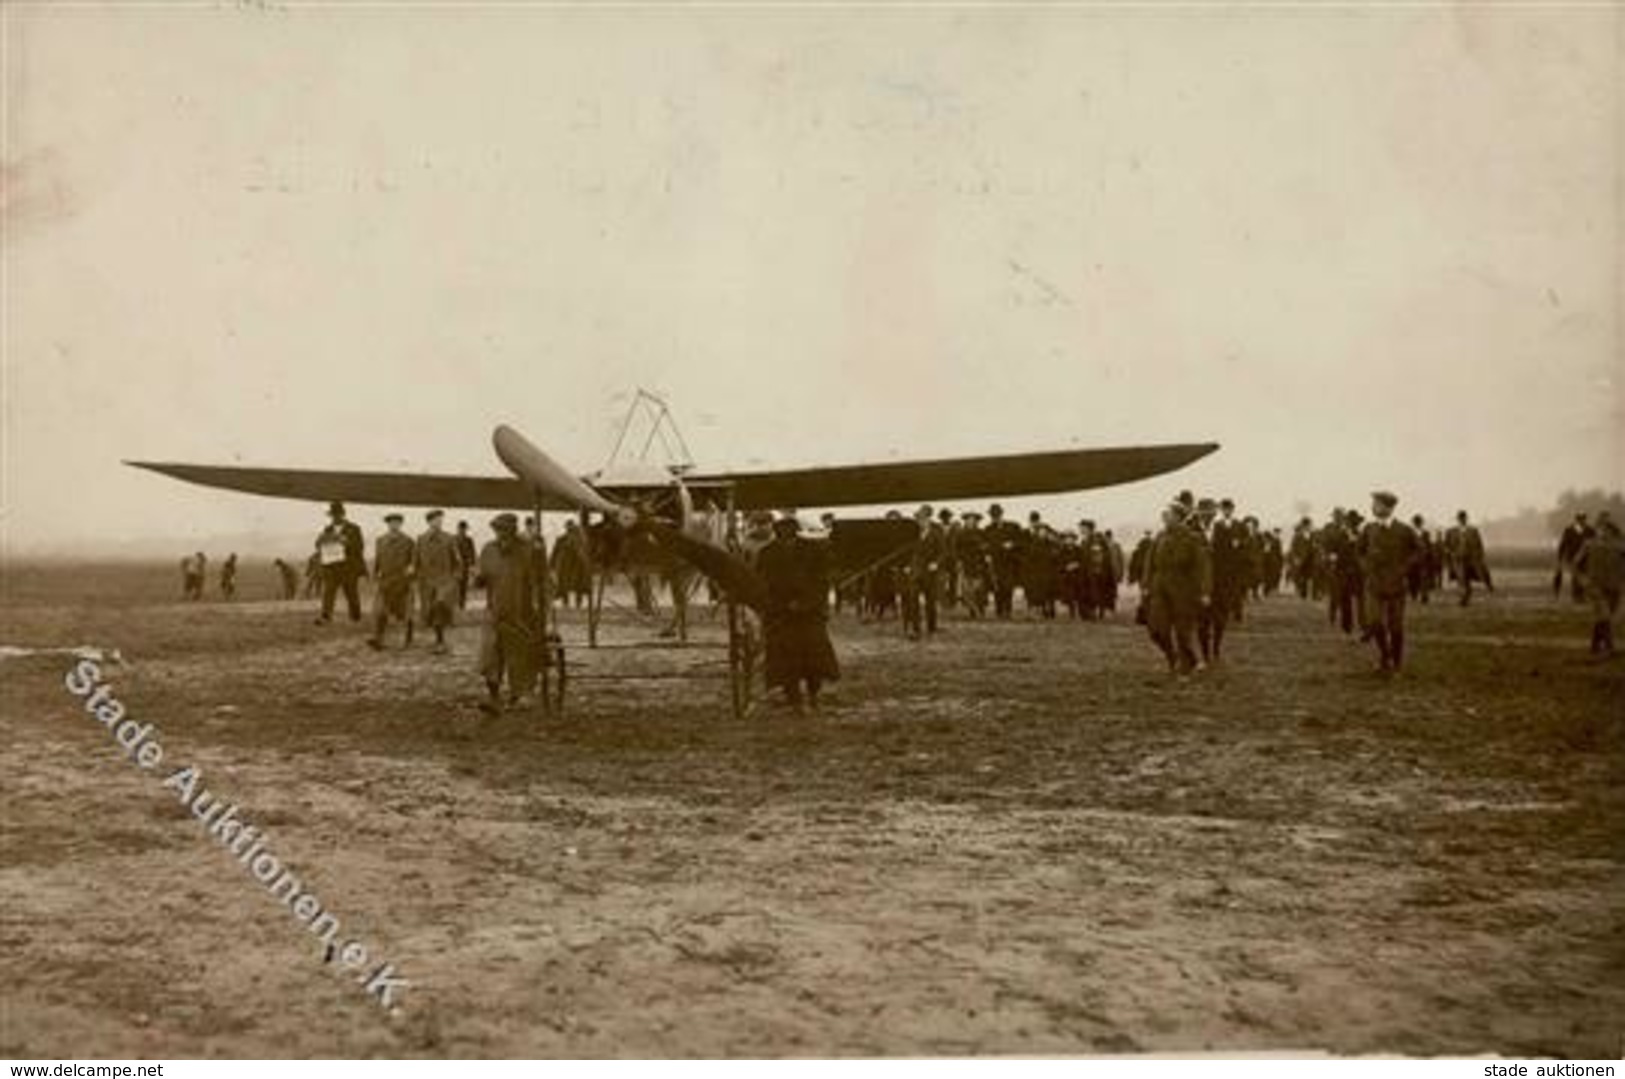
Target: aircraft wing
(949,479)
(953,479)
(378,488)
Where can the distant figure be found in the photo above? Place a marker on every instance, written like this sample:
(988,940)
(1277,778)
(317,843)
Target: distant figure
(975,570)
(192,570)
(440,571)
(343,553)
(393,557)
(468,556)
(1227,548)
(1301,568)
(1137,561)
(1470,561)
(1274,561)
(1573,540)
(795,623)
(289,578)
(509,647)
(228,576)
(1388,549)
(541,575)
(570,566)
(1419,580)
(922,576)
(313,576)
(1179,584)
(1602,563)
(1339,569)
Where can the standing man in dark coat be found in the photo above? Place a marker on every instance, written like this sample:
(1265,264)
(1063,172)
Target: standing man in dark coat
(438,564)
(1004,541)
(925,574)
(795,621)
(1221,539)
(1419,581)
(1228,539)
(289,577)
(510,644)
(975,571)
(1300,558)
(1137,561)
(1602,562)
(1388,551)
(394,565)
(1179,584)
(570,567)
(1471,562)
(469,558)
(343,552)
(1339,562)
(1569,545)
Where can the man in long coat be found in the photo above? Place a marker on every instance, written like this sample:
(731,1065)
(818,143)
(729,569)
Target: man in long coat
(1179,581)
(343,554)
(1388,550)
(795,622)
(510,642)
(439,568)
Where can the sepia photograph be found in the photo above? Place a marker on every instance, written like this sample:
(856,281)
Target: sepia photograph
(747,530)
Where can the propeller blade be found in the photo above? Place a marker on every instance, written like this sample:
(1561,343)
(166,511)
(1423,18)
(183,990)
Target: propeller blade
(731,573)
(526,460)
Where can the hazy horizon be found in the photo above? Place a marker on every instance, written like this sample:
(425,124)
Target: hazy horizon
(1357,248)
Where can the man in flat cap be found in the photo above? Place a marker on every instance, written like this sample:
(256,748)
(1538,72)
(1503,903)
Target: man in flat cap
(392,568)
(1179,587)
(510,644)
(1387,550)
(343,555)
(439,567)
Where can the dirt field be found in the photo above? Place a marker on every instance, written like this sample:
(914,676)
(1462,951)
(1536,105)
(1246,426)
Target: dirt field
(1018,838)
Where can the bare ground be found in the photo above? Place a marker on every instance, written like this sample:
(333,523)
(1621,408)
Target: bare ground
(1016,838)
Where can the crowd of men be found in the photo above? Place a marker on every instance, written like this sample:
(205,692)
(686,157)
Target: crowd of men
(1195,577)
(962,562)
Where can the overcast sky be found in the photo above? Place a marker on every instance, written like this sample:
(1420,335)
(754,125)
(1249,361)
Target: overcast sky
(1357,247)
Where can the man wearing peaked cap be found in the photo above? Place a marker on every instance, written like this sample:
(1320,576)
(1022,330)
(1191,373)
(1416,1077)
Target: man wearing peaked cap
(1387,549)
(438,568)
(1177,586)
(393,559)
(510,640)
